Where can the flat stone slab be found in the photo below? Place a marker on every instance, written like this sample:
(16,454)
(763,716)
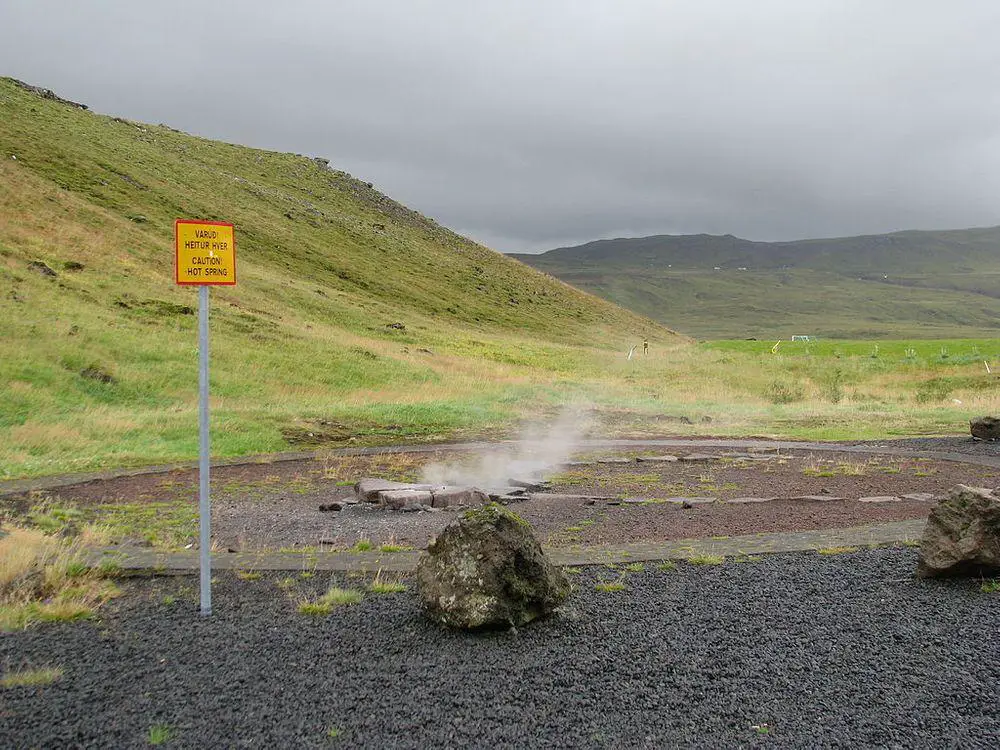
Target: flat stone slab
(571,464)
(691,500)
(748,500)
(921,497)
(656,459)
(817,498)
(368,489)
(614,460)
(458,497)
(879,499)
(408,499)
(699,457)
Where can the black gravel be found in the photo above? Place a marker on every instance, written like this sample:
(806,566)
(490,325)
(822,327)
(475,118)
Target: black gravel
(792,651)
(963,444)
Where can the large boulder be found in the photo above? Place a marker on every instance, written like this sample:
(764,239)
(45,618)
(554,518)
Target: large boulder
(962,535)
(486,569)
(985,428)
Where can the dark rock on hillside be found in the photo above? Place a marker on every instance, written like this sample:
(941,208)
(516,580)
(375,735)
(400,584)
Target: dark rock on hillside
(962,536)
(985,428)
(488,570)
(41,267)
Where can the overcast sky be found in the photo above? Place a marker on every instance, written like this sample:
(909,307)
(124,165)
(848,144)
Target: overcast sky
(529,125)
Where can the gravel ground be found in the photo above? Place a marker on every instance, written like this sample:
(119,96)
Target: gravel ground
(814,651)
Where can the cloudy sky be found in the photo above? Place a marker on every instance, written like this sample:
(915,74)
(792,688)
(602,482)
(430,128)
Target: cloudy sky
(533,124)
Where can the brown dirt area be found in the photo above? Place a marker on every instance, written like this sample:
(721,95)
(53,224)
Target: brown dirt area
(275,506)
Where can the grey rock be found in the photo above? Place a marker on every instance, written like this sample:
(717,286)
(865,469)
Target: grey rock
(614,460)
(962,535)
(408,499)
(451,497)
(879,499)
(327,507)
(749,500)
(691,501)
(486,569)
(495,493)
(921,497)
(368,489)
(656,459)
(695,457)
(578,463)
(532,485)
(985,428)
(816,498)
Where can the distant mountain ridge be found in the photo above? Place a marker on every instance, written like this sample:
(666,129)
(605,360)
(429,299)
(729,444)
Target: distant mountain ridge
(942,283)
(911,250)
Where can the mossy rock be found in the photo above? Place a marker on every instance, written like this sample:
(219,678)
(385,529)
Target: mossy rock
(487,569)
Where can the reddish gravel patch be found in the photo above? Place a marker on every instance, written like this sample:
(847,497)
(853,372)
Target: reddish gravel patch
(276,505)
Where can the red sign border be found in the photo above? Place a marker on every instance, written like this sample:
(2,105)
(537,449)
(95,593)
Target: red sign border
(177,253)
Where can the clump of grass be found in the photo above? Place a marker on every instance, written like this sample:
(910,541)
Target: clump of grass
(393,547)
(910,542)
(159,734)
(609,586)
(636,567)
(667,566)
(362,545)
(286,583)
(31,677)
(248,575)
(334,597)
(44,579)
(169,599)
(991,586)
(572,571)
(334,732)
(381,586)
(706,559)
(836,550)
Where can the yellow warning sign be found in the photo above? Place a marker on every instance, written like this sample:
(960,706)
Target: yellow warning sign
(206,252)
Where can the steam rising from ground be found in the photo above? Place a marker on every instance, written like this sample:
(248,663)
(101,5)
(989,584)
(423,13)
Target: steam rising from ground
(540,449)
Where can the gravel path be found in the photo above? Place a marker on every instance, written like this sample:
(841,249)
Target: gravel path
(816,651)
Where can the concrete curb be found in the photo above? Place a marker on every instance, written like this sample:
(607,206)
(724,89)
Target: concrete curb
(186,562)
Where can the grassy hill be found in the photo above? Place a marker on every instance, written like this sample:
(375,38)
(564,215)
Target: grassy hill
(921,284)
(355,318)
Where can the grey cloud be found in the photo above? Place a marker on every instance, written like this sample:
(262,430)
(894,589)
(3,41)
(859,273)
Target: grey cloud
(530,124)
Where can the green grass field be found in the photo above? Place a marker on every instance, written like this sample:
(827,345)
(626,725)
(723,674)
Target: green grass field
(356,321)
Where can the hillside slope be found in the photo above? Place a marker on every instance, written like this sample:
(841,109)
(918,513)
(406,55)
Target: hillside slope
(354,316)
(929,284)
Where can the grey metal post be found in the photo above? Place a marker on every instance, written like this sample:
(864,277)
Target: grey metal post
(204,506)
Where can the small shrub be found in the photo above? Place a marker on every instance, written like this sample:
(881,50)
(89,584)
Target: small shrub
(783,392)
(667,566)
(362,545)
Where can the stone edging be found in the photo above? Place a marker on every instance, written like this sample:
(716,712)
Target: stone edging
(186,562)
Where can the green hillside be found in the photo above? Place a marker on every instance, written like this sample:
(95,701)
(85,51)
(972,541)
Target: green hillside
(355,318)
(905,284)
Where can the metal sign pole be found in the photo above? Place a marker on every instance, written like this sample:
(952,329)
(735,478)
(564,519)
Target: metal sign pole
(204,506)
